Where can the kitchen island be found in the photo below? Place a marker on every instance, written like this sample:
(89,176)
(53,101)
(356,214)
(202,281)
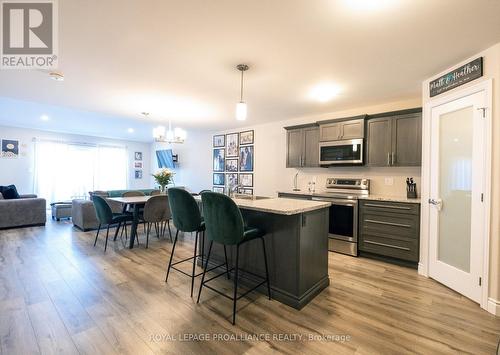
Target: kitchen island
(297,247)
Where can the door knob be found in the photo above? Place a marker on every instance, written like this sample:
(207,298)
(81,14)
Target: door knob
(436,202)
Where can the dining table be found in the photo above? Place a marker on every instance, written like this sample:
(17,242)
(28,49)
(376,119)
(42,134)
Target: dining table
(136,202)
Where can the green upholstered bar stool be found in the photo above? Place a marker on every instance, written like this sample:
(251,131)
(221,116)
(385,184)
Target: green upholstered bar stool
(187,218)
(106,217)
(224,225)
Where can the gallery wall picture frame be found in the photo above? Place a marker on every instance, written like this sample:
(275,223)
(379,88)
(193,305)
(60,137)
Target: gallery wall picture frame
(219,141)
(246,154)
(245,191)
(218,189)
(247,137)
(138,155)
(138,165)
(246,180)
(218,179)
(232,145)
(138,174)
(232,179)
(10,148)
(232,165)
(219,159)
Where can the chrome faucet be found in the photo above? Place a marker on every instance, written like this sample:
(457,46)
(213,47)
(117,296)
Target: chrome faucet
(233,189)
(295,188)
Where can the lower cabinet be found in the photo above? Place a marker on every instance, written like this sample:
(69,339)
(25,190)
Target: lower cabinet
(390,229)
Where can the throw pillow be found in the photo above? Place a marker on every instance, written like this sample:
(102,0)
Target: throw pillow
(10,192)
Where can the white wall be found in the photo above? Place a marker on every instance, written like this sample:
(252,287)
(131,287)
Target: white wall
(271,174)
(20,171)
(194,170)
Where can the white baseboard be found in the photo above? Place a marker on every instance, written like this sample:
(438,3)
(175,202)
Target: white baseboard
(422,270)
(493,306)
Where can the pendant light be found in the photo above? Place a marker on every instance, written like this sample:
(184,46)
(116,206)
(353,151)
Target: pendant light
(241,107)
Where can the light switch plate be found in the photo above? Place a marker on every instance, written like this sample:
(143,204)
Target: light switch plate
(389,181)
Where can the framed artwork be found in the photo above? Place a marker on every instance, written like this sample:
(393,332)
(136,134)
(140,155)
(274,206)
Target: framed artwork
(246,180)
(246,158)
(138,164)
(10,148)
(245,191)
(218,179)
(218,189)
(232,165)
(219,141)
(138,174)
(232,145)
(138,155)
(246,137)
(232,179)
(218,159)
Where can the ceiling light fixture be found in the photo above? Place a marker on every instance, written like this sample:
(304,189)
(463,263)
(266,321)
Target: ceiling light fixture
(324,92)
(241,107)
(130,130)
(56,76)
(161,134)
(44,117)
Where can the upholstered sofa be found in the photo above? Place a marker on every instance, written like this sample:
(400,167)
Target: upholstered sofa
(26,211)
(83,212)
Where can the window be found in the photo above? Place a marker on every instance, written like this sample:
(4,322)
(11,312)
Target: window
(64,171)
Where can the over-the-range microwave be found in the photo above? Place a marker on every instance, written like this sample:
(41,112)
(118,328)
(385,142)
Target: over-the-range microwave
(346,152)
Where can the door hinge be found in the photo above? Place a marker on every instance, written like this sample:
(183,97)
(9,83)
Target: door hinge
(483,110)
(482,197)
(480,281)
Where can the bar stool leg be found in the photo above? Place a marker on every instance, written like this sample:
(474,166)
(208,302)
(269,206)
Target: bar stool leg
(227,265)
(235,298)
(267,271)
(194,262)
(172,255)
(204,270)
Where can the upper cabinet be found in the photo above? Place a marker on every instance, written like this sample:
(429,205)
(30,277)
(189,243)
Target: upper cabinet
(302,146)
(340,130)
(395,139)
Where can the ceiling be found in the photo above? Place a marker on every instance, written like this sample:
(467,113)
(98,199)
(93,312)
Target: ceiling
(176,59)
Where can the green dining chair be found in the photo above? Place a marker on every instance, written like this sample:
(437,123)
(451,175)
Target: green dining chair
(106,217)
(187,218)
(224,225)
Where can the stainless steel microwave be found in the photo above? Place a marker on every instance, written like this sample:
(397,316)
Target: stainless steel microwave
(348,152)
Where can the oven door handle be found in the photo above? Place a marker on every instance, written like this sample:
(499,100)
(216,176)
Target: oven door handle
(336,201)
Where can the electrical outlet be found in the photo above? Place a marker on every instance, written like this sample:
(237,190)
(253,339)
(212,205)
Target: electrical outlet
(389,181)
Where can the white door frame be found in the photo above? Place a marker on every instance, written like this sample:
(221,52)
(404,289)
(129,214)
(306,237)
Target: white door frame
(423,266)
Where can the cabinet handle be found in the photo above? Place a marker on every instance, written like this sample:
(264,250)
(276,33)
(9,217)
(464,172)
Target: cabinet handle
(388,223)
(386,245)
(386,206)
(389,158)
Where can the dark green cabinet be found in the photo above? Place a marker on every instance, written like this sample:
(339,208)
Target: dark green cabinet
(302,150)
(390,229)
(394,140)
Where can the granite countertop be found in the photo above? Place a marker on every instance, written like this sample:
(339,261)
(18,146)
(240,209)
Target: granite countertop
(284,206)
(373,197)
(390,198)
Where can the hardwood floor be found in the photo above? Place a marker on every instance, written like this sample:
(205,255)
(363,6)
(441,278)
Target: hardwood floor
(59,294)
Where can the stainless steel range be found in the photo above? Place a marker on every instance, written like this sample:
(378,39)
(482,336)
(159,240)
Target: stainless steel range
(343,226)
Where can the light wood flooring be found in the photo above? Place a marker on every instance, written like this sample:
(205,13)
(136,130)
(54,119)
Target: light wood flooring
(59,294)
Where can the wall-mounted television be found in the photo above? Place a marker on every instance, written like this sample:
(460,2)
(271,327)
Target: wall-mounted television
(166,159)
